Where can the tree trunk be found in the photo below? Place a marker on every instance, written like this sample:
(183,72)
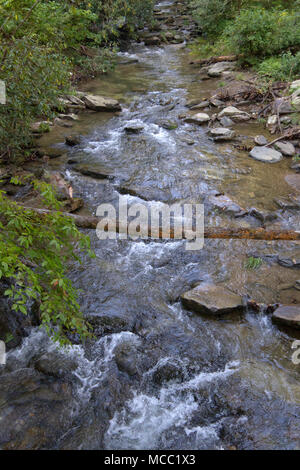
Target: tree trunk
(90,222)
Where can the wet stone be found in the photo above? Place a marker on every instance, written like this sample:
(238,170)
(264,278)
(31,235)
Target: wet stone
(288,315)
(226,122)
(288,203)
(222,134)
(265,154)
(290,259)
(286,148)
(94,171)
(200,118)
(209,299)
(261,140)
(101,103)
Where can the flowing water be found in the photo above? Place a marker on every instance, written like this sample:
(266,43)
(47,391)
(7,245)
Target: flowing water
(162,377)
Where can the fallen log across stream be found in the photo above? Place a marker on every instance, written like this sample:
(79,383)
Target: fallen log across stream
(90,222)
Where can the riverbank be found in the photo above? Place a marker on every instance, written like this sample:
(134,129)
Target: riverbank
(162,374)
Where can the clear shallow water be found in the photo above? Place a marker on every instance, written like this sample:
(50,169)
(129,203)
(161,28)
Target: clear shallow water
(163,377)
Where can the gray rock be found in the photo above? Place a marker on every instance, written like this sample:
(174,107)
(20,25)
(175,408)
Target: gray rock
(286,148)
(295,85)
(282,106)
(203,104)
(296,103)
(288,315)
(75,100)
(56,364)
(272,121)
(234,113)
(134,128)
(226,205)
(187,140)
(261,140)
(216,102)
(200,118)
(289,259)
(265,154)
(209,299)
(69,117)
(226,122)
(263,216)
(288,203)
(62,123)
(96,171)
(101,103)
(217,69)
(221,134)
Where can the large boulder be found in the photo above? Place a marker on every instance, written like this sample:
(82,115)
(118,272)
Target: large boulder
(217,69)
(265,154)
(101,103)
(209,299)
(288,315)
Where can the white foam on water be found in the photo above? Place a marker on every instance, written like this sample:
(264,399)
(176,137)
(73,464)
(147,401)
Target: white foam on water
(144,419)
(112,142)
(91,373)
(208,434)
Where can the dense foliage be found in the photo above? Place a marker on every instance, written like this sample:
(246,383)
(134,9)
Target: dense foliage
(256,30)
(35,251)
(44,45)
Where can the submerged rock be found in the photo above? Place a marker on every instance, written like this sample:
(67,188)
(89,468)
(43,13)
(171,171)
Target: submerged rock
(288,203)
(101,103)
(290,259)
(288,315)
(210,299)
(265,154)
(263,216)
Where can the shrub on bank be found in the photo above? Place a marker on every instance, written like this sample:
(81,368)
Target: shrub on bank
(258,32)
(286,67)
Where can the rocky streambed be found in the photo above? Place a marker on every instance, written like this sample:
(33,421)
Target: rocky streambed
(187,353)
